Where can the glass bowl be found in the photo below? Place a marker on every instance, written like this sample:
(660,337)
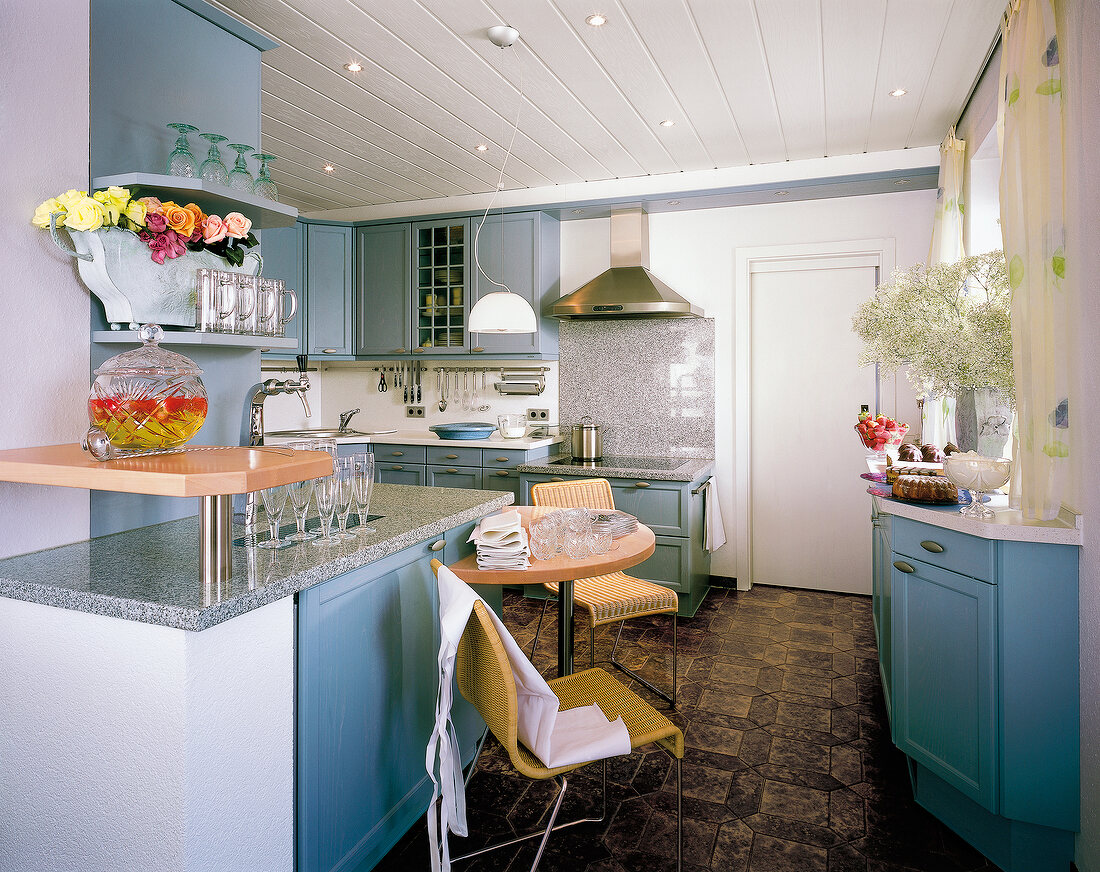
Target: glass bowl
(881,442)
(512,426)
(977,474)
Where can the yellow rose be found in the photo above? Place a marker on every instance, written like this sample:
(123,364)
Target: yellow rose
(70,197)
(86,214)
(114,201)
(135,211)
(42,213)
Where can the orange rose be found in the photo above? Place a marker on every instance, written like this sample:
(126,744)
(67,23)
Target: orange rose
(178,219)
(200,216)
(236,225)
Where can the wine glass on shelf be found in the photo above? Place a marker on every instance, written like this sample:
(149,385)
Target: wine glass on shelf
(274,502)
(240,179)
(345,495)
(263,186)
(362,487)
(212,169)
(326,489)
(181,162)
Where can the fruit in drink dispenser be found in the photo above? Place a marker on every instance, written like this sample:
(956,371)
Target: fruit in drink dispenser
(141,423)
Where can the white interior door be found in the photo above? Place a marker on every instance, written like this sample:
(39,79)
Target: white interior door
(808,510)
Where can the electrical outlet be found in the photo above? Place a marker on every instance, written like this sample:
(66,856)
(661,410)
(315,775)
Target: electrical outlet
(538,414)
(414,411)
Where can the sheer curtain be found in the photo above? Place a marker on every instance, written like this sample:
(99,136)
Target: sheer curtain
(1032,226)
(938,412)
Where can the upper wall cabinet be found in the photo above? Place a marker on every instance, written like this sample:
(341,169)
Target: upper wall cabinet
(284,254)
(522,251)
(329,285)
(384,275)
(441,285)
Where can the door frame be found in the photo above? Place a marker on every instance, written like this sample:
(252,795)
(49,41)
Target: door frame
(776,258)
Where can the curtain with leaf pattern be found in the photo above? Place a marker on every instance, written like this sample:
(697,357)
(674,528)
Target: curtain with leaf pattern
(938,412)
(1032,227)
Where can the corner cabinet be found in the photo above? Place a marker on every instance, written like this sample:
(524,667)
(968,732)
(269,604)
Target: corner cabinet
(284,253)
(978,642)
(329,290)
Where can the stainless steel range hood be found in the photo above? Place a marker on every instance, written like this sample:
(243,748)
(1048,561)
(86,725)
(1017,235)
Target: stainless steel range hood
(628,289)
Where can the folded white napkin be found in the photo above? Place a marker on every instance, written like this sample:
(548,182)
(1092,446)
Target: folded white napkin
(497,529)
(501,542)
(556,738)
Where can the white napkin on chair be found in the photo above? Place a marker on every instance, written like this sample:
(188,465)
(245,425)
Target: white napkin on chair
(557,738)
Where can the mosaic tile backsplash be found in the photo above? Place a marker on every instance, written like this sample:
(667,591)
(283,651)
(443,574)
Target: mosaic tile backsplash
(650,383)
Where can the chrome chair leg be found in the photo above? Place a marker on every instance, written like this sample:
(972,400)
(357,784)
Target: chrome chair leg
(671,700)
(550,825)
(679,814)
(538,628)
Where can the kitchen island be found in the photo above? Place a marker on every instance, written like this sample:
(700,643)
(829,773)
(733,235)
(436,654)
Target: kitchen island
(277,717)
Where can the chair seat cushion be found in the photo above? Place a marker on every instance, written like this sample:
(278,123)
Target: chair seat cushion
(615,596)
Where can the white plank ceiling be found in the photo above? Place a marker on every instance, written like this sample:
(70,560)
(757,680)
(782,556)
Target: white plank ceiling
(745,81)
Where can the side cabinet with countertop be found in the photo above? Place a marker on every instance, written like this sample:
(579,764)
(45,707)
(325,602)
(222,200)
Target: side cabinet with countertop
(453,466)
(978,648)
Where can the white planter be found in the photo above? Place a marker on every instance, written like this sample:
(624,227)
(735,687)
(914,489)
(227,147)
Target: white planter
(116,266)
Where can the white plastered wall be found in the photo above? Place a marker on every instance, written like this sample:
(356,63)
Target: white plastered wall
(694,253)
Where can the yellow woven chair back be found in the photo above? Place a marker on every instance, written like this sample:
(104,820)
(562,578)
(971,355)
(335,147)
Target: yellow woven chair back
(590,493)
(485,678)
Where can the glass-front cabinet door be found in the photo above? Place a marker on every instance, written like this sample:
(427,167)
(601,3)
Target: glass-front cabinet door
(443,262)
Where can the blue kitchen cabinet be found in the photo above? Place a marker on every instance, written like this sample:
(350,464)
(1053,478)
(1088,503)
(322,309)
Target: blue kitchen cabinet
(367,678)
(330,285)
(982,685)
(521,250)
(442,265)
(283,250)
(383,277)
(881,597)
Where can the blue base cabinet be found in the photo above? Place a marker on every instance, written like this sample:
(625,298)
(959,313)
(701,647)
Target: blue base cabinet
(367,647)
(978,643)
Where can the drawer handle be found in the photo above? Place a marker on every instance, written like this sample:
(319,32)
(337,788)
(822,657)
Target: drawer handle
(641,484)
(934,547)
(452,471)
(397,466)
(556,478)
(502,460)
(438,545)
(450,457)
(328,350)
(902,566)
(503,472)
(398,453)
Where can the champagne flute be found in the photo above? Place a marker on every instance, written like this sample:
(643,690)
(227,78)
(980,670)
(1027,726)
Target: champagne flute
(274,502)
(300,493)
(345,495)
(362,487)
(326,489)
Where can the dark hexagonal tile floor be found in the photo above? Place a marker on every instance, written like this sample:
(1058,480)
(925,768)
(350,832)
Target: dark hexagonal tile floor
(788,766)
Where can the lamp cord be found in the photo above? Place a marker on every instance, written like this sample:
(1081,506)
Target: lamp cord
(496,193)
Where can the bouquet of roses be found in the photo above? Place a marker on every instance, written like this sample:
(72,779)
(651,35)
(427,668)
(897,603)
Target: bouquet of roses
(170,230)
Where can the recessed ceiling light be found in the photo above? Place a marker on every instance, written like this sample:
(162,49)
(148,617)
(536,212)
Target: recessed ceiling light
(673,203)
(481,146)
(354,67)
(902,182)
(668,122)
(782,193)
(898,92)
(596,20)
(329,168)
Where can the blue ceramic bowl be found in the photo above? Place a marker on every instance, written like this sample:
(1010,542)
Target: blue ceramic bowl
(465,430)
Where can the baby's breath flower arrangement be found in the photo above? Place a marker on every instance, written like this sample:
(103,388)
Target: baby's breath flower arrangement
(948,323)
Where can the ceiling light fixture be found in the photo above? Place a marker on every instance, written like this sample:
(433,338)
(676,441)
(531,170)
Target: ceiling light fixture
(668,122)
(898,92)
(354,67)
(596,20)
(329,168)
(501,311)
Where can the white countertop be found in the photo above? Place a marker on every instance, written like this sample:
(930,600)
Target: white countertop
(421,437)
(1008,524)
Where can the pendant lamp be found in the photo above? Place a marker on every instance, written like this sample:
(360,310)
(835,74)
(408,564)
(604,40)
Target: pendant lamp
(501,311)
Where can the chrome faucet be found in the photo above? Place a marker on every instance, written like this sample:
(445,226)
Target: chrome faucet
(345,418)
(252,431)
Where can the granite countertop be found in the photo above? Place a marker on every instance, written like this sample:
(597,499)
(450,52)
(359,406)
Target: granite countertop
(151,574)
(1008,524)
(422,437)
(691,469)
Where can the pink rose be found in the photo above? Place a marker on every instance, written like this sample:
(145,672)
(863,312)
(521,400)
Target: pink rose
(168,244)
(155,222)
(236,225)
(213,230)
(145,236)
(196,236)
(152,204)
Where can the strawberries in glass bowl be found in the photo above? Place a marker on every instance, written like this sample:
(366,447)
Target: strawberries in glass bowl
(881,433)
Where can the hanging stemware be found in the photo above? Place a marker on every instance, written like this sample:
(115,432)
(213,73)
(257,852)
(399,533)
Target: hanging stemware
(181,162)
(240,179)
(263,186)
(212,169)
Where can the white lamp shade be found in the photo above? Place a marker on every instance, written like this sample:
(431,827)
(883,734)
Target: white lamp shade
(503,312)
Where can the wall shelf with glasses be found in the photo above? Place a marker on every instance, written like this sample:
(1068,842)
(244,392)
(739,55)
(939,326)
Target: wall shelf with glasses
(441,280)
(194,337)
(210,197)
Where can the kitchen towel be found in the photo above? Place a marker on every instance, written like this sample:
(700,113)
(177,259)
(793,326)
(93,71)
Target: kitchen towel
(714,531)
(557,738)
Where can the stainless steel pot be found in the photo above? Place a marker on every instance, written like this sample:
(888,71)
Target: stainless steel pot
(587,440)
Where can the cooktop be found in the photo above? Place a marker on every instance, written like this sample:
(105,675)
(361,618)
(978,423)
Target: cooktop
(624,462)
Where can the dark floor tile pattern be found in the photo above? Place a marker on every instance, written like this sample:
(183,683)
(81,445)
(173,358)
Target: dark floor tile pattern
(789,764)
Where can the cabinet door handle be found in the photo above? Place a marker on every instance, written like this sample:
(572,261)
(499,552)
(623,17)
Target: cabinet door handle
(418,351)
(503,472)
(398,453)
(397,466)
(438,545)
(934,547)
(328,351)
(398,351)
(450,457)
(452,471)
(502,460)
(556,478)
(902,566)
(641,484)
(477,350)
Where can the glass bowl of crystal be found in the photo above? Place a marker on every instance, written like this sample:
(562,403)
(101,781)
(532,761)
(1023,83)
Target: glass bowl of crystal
(144,400)
(978,475)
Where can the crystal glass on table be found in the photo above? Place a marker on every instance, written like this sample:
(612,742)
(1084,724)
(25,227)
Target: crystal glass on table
(263,186)
(212,169)
(274,503)
(181,162)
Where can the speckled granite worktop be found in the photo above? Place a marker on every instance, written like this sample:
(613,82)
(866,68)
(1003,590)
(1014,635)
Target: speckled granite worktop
(690,470)
(151,574)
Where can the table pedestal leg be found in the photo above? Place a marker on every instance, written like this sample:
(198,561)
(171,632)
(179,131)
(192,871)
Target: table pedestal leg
(215,538)
(565,628)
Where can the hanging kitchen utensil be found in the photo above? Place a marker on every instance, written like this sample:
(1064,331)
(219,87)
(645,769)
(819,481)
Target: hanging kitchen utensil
(419,375)
(442,390)
(382,386)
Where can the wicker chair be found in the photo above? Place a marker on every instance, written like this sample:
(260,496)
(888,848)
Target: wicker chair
(484,676)
(612,597)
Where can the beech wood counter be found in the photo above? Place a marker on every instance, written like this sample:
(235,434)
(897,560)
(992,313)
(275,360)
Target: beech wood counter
(625,552)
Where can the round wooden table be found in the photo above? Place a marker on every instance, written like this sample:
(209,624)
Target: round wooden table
(625,552)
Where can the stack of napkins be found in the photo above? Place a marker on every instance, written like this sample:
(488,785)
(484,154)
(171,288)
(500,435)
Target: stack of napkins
(501,542)
(619,523)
